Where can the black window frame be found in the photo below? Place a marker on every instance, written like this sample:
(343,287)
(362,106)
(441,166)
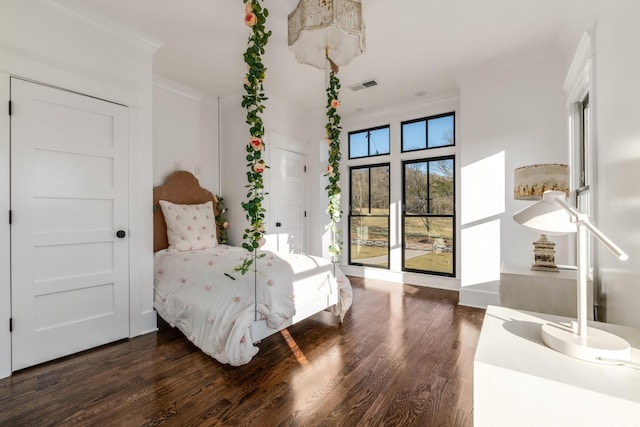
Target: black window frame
(452,216)
(426,129)
(583,178)
(368,130)
(369,215)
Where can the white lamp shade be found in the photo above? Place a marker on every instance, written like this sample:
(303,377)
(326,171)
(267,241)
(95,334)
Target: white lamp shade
(547,216)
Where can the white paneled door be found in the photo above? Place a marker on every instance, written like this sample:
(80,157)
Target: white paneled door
(69,231)
(287,205)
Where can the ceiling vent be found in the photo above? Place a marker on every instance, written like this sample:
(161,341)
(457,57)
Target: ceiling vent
(363,85)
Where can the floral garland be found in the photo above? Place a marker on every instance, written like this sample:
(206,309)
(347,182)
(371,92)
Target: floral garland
(333,129)
(255,18)
(220,219)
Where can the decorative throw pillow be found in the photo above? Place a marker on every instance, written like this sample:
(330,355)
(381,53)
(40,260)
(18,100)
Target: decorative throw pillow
(190,227)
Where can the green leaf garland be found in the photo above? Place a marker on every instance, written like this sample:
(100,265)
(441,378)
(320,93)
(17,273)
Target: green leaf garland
(253,101)
(333,130)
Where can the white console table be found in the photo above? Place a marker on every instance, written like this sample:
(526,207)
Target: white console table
(541,291)
(518,381)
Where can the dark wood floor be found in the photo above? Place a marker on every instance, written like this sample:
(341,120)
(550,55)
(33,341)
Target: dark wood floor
(402,357)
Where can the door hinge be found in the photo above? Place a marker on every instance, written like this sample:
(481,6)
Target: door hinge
(305,168)
(10,218)
(10,324)
(305,214)
(10,107)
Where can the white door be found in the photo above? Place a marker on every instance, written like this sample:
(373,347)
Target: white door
(69,192)
(287,205)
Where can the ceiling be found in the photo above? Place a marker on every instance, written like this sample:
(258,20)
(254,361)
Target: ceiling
(412,45)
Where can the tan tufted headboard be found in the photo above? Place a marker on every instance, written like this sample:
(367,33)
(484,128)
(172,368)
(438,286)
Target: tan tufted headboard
(183,188)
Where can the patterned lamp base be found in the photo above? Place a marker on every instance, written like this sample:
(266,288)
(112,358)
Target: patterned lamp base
(544,255)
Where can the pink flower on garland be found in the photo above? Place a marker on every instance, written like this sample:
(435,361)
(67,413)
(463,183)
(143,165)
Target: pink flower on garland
(259,166)
(256,144)
(335,103)
(329,170)
(225,224)
(250,19)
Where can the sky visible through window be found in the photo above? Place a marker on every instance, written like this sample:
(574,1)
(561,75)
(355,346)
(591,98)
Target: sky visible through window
(369,143)
(440,133)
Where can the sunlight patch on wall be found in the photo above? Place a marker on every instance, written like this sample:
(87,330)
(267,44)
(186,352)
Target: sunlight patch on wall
(483,191)
(481,254)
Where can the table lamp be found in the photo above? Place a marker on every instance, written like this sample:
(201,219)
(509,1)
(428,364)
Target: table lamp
(554,214)
(530,183)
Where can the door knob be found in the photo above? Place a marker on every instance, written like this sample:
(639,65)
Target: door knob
(120,234)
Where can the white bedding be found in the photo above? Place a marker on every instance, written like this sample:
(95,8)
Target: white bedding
(215,312)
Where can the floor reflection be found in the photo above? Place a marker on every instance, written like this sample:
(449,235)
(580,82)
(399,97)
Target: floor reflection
(297,353)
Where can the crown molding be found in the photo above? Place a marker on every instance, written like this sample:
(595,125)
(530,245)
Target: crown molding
(107,25)
(182,90)
(53,63)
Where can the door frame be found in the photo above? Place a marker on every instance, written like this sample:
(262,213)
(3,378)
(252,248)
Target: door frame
(142,315)
(113,327)
(5,229)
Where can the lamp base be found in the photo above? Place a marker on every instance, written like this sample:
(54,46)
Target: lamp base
(544,255)
(597,346)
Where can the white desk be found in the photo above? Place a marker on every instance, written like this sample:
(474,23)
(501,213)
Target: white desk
(518,381)
(542,291)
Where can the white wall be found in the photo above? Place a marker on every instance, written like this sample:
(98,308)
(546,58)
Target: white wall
(512,114)
(73,48)
(617,193)
(185,130)
(234,136)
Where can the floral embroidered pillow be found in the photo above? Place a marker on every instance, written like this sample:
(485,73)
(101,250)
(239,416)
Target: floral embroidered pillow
(190,227)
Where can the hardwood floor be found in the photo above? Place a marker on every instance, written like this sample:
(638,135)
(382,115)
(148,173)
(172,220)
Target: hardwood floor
(402,357)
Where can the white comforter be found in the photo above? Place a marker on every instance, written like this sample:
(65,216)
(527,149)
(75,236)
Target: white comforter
(215,312)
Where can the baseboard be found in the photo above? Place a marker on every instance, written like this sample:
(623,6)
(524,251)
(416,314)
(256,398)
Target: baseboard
(5,371)
(479,296)
(146,323)
(409,278)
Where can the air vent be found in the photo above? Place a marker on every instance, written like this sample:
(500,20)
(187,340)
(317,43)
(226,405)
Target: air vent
(363,85)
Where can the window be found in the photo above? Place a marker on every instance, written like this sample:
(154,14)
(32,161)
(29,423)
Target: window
(578,84)
(583,192)
(583,146)
(430,132)
(428,216)
(369,215)
(369,142)
(420,234)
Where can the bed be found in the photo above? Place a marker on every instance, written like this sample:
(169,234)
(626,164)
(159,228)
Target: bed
(225,313)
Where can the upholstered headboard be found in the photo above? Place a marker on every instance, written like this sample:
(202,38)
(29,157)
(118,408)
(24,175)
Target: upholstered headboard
(183,188)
